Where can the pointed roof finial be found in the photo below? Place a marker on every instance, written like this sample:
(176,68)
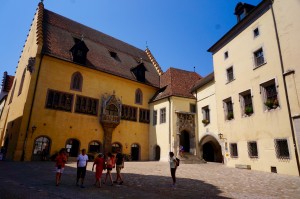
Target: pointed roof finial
(42,1)
(194,68)
(146,44)
(82,37)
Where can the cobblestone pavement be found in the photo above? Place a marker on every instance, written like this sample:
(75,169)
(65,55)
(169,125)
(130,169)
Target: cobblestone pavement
(145,180)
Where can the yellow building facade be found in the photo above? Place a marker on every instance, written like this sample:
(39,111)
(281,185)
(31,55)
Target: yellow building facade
(78,90)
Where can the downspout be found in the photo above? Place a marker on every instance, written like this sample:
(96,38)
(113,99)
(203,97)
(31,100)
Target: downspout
(285,88)
(31,108)
(170,124)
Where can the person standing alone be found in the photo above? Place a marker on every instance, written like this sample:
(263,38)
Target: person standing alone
(173,166)
(119,166)
(82,161)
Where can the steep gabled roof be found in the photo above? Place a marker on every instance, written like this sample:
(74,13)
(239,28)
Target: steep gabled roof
(7,82)
(176,82)
(60,32)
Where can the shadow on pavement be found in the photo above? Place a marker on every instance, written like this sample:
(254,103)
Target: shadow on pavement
(37,180)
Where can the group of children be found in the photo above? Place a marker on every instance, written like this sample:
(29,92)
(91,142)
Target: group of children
(101,162)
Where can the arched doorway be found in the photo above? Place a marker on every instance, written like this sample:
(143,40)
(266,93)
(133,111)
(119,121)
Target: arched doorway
(72,146)
(185,141)
(157,152)
(41,148)
(208,152)
(210,149)
(95,147)
(135,152)
(115,146)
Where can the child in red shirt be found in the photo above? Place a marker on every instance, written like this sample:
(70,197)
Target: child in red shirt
(61,160)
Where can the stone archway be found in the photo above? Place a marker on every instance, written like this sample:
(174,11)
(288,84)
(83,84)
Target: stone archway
(184,140)
(210,149)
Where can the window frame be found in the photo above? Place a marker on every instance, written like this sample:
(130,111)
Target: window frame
(256,32)
(256,56)
(233,147)
(229,76)
(279,150)
(76,75)
(129,113)
(138,96)
(57,103)
(144,115)
(229,114)
(205,115)
(93,102)
(270,100)
(251,152)
(163,115)
(244,103)
(154,122)
(226,55)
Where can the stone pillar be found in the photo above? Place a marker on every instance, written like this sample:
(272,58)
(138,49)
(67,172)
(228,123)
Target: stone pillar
(107,139)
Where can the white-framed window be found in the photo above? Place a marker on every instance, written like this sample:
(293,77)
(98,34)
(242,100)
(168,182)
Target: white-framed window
(234,150)
(252,149)
(163,115)
(206,115)
(154,117)
(282,149)
(229,74)
(228,109)
(270,94)
(259,58)
(246,103)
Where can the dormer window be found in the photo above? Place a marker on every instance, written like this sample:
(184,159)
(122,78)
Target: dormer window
(139,72)
(114,55)
(79,51)
(242,10)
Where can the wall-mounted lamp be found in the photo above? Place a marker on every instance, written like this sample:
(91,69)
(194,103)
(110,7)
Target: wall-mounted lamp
(33,128)
(221,136)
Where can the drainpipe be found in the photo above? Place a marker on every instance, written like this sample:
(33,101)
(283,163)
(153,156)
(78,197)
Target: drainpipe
(285,88)
(31,108)
(170,144)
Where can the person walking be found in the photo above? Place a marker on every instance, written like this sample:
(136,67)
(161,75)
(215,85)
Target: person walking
(173,166)
(109,165)
(99,162)
(82,161)
(119,166)
(61,160)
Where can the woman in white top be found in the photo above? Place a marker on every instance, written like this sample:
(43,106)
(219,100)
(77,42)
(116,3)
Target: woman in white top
(173,166)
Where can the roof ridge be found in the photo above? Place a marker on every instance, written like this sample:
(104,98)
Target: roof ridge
(39,31)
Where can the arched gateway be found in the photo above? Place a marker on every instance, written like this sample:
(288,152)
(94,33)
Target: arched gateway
(210,149)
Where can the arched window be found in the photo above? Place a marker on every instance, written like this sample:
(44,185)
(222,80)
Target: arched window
(138,96)
(94,147)
(116,146)
(76,81)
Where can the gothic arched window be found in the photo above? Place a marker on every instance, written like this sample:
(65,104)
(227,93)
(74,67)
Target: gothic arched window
(76,81)
(138,96)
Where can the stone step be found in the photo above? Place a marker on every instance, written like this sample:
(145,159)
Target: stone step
(190,159)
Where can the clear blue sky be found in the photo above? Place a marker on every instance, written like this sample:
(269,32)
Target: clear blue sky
(178,32)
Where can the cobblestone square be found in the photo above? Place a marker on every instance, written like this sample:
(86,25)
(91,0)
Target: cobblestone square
(146,180)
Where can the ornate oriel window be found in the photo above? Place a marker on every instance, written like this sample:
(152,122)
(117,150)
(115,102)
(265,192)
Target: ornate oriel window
(76,81)
(86,105)
(59,100)
(138,96)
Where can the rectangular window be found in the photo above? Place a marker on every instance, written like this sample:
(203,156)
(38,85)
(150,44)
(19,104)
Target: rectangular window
(230,76)
(246,103)
(282,149)
(256,32)
(269,94)
(259,57)
(129,113)
(59,100)
(163,115)
(154,117)
(228,109)
(233,150)
(86,105)
(206,116)
(193,108)
(252,149)
(144,116)
(226,55)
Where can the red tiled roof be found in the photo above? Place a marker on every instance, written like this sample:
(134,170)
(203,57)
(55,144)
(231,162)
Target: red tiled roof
(59,33)
(7,82)
(176,82)
(205,80)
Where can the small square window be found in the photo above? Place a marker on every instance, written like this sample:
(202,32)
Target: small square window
(282,149)
(226,55)
(259,57)
(252,149)
(233,150)
(256,32)
(230,75)
(193,108)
